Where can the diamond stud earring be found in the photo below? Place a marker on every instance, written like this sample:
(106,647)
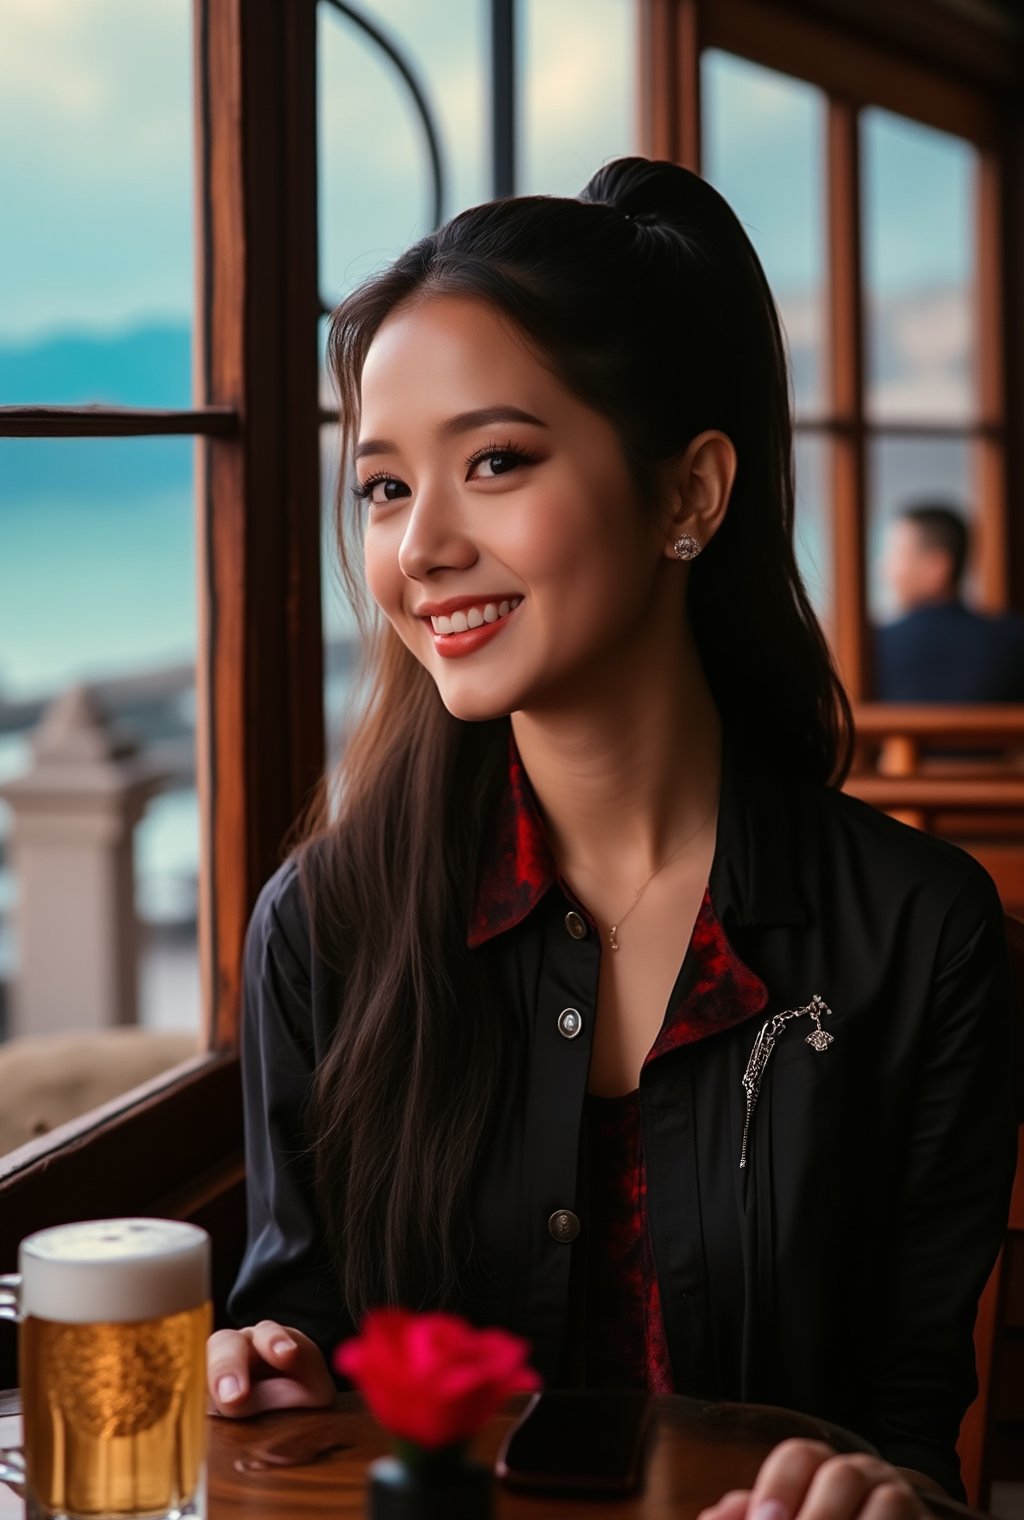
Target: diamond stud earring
(687,547)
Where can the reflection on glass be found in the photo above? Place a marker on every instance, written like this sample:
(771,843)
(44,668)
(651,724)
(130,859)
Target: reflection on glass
(762,148)
(97,199)
(918,270)
(97,592)
(374,166)
(813,525)
(903,472)
(577,67)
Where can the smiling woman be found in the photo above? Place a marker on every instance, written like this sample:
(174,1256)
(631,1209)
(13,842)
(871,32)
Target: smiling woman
(569,424)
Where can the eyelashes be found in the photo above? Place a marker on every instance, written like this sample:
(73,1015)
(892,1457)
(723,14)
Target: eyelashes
(363,489)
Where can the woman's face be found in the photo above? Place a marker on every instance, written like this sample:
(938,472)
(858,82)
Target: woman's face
(503,541)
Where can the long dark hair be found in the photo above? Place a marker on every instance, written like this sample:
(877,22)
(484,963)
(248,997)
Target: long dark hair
(648,300)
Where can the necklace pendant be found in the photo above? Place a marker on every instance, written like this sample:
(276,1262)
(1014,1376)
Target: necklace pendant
(612,937)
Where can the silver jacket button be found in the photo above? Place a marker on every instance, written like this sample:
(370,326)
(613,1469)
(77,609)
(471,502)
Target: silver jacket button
(569,1023)
(575,926)
(563,1226)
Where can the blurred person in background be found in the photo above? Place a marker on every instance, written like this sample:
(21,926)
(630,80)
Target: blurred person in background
(939,649)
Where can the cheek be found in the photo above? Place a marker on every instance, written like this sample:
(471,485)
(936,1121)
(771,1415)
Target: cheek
(574,537)
(380,568)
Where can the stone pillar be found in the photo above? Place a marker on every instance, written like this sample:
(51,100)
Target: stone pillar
(74,813)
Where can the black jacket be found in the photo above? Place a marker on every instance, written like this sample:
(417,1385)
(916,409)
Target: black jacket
(838,1272)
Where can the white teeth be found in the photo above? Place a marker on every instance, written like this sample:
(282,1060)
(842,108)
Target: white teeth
(474,617)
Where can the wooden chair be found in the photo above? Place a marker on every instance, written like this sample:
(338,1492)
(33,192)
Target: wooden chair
(992,1435)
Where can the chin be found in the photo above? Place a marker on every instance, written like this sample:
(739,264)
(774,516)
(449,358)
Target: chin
(475,707)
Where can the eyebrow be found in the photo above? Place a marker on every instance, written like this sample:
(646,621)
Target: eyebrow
(462,423)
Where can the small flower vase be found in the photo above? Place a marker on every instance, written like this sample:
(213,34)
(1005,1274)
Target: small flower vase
(419,1483)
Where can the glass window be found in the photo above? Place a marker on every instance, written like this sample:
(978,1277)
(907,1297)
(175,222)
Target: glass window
(96,186)
(918,221)
(99,846)
(577,77)
(904,472)
(813,524)
(763,136)
(340,637)
(374,164)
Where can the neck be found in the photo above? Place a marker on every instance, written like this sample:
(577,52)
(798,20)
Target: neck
(629,771)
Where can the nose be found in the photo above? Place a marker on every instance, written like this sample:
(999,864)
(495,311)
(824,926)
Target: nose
(435,539)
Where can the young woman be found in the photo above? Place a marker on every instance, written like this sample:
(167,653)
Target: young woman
(591,1006)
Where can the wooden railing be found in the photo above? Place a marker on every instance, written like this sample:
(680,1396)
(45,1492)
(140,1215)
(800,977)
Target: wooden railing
(899,735)
(974,799)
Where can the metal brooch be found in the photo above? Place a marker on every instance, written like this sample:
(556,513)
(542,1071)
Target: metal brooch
(819,1039)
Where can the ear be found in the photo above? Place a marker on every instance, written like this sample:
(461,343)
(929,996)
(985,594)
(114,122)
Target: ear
(697,485)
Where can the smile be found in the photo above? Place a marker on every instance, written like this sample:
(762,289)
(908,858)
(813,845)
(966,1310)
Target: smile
(475,617)
(467,630)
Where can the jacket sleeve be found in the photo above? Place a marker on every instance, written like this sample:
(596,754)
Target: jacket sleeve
(286,1272)
(951,1214)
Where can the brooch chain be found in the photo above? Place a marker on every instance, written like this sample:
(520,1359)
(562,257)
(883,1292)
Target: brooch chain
(819,1039)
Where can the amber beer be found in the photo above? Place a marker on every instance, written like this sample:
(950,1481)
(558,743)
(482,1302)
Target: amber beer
(114,1320)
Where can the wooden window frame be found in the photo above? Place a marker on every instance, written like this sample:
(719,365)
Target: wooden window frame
(174,1145)
(917,59)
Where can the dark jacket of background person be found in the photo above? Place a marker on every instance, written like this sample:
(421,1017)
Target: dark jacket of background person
(839,1272)
(945,652)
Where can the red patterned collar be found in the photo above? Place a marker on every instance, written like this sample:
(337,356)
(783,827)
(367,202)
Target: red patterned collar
(519,867)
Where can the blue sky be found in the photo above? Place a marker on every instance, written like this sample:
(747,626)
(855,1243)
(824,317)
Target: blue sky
(96,175)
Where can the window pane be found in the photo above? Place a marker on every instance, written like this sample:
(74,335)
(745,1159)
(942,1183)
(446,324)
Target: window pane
(762,148)
(374,165)
(338,617)
(813,521)
(97,591)
(577,67)
(903,472)
(918,270)
(97,247)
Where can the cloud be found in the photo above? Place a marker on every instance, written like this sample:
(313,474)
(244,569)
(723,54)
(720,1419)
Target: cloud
(96,101)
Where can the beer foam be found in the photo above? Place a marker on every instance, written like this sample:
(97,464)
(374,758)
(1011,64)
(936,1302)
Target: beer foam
(114,1270)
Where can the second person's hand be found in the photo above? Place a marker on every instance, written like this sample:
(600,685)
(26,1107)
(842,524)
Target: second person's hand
(265,1366)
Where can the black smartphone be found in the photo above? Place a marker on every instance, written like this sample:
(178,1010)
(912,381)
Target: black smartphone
(578,1441)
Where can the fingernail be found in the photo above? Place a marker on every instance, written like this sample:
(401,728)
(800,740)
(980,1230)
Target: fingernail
(228,1388)
(770,1509)
(283,1344)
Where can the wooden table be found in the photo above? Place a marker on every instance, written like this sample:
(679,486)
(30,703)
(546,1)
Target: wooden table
(287,1465)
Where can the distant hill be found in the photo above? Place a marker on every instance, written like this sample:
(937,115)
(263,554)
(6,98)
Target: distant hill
(148,367)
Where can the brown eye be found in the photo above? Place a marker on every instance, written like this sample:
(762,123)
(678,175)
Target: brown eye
(363,490)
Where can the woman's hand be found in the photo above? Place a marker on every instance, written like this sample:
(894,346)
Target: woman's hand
(807,1480)
(265,1366)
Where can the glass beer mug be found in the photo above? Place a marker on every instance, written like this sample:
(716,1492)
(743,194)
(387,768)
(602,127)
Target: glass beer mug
(113,1318)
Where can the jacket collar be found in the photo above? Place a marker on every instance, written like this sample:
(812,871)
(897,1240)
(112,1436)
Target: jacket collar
(755,871)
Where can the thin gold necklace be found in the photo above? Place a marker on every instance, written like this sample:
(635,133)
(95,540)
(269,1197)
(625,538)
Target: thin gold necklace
(613,932)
